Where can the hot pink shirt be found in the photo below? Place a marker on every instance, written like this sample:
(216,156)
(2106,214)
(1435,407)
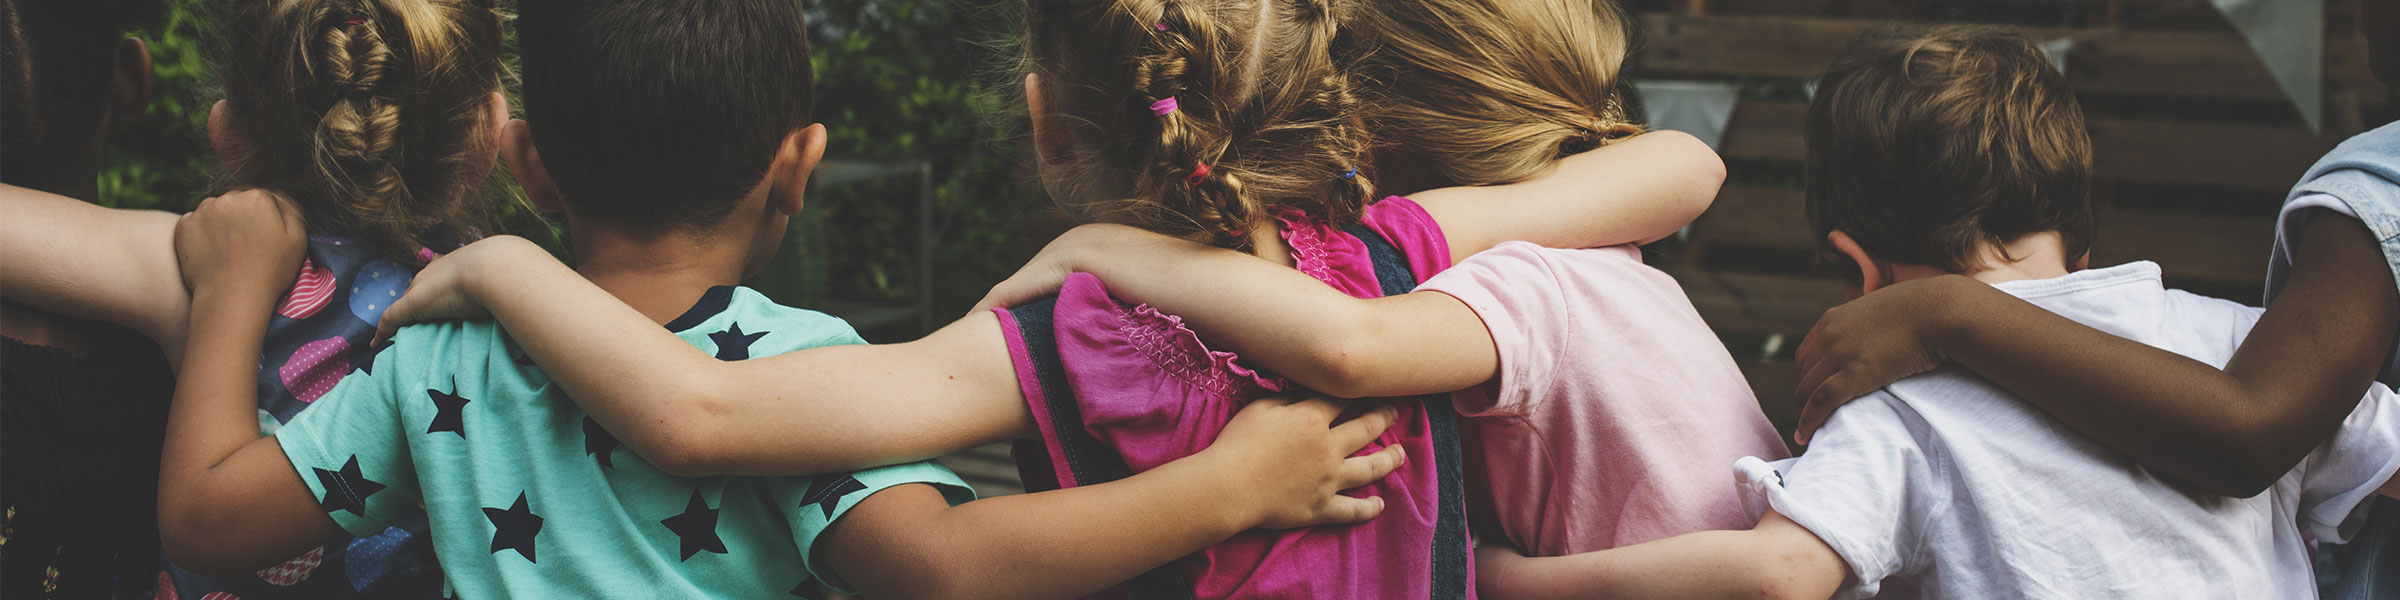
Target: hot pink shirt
(1617,412)
(1148,387)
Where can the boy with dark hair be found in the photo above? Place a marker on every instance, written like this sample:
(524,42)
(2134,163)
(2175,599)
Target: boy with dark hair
(674,135)
(1962,151)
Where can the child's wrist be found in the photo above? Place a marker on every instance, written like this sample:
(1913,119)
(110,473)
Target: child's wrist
(1219,476)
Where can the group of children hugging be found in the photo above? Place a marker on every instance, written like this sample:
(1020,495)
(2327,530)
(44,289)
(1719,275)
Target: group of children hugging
(1358,311)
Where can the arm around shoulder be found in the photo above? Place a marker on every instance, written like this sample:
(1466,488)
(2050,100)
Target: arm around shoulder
(1777,560)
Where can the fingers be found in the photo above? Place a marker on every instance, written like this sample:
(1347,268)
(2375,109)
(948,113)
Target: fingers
(1318,408)
(1358,432)
(1819,406)
(385,327)
(1361,470)
(1345,509)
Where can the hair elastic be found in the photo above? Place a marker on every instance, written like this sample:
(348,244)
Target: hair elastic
(352,21)
(1164,107)
(426,255)
(1350,174)
(1199,173)
(1161,26)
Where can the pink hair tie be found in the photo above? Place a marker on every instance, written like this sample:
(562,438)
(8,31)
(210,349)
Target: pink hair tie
(1164,107)
(426,255)
(1161,25)
(1199,173)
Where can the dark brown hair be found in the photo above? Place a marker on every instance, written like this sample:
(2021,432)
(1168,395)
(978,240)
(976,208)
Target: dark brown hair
(1925,147)
(659,113)
(56,60)
(366,113)
(1262,101)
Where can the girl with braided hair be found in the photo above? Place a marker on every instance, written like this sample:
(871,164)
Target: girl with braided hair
(1224,123)
(379,120)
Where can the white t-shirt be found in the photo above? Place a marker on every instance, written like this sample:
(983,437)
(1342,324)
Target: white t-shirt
(1945,486)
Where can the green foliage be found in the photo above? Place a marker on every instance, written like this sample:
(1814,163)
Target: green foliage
(161,160)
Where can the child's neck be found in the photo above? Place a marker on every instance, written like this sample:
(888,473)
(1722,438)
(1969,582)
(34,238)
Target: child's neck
(2037,256)
(659,274)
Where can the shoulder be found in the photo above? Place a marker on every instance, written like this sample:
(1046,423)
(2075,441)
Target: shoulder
(764,327)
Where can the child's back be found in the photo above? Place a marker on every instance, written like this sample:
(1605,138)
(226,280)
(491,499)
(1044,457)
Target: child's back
(1944,485)
(452,417)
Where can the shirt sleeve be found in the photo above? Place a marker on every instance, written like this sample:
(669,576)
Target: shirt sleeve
(350,446)
(2343,475)
(813,504)
(1867,487)
(1510,287)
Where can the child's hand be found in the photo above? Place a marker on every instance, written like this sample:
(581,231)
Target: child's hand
(246,242)
(441,291)
(1293,461)
(1873,341)
(1048,270)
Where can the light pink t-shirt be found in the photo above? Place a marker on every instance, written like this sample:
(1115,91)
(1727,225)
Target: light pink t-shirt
(1616,411)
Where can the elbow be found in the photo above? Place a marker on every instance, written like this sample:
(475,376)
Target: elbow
(1704,170)
(679,440)
(1336,366)
(196,542)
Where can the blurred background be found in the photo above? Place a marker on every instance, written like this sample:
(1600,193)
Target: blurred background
(2202,113)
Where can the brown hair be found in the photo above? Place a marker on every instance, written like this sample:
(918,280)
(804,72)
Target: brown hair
(56,74)
(1263,103)
(1925,147)
(1494,91)
(364,112)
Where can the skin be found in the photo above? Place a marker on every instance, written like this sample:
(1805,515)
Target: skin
(2229,432)
(231,502)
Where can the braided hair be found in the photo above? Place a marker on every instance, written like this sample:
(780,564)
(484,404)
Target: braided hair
(365,112)
(1202,118)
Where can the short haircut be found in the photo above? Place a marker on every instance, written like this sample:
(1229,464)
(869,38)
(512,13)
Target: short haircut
(658,113)
(57,60)
(1921,147)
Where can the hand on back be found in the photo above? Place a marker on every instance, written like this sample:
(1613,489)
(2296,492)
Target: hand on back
(1299,460)
(248,242)
(1872,341)
(441,292)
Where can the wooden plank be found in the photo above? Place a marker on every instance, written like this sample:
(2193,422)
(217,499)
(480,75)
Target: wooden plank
(2217,249)
(2249,156)
(2202,63)
(1732,301)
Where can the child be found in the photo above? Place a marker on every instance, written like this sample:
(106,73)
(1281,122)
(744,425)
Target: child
(380,119)
(2332,319)
(82,403)
(1614,410)
(1222,121)
(1962,151)
(674,193)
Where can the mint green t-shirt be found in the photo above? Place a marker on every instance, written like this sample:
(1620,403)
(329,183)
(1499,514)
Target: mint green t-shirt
(529,498)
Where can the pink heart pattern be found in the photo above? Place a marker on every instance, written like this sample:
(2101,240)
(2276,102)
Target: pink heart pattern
(310,293)
(296,570)
(312,370)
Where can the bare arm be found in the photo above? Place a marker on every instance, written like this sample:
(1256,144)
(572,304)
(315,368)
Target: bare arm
(76,259)
(1278,465)
(228,501)
(1416,343)
(820,410)
(1777,559)
(2233,431)
(1639,190)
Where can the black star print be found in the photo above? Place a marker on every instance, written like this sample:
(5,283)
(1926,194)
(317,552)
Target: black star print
(732,344)
(346,489)
(448,408)
(365,361)
(697,527)
(516,354)
(513,529)
(598,442)
(827,492)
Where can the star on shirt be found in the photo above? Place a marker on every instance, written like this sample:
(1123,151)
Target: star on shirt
(599,442)
(449,407)
(827,492)
(696,527)
(732,344)
(346,489)
(514,528)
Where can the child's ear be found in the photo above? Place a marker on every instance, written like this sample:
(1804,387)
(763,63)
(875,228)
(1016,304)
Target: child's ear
(1049,137)
(795,159)
(516,147)
(133,79)
(1873,273)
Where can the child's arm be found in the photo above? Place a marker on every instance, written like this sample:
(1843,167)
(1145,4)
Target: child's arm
(1776,559)
(1329,341)
(820,410)
(229,501)
(76,259)
(1277,465)
(2233,431)
(1638,190)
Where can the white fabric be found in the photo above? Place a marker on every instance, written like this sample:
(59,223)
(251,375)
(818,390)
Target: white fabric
(2289,36)
(1945,486)
(1700,108)
(2289,221)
